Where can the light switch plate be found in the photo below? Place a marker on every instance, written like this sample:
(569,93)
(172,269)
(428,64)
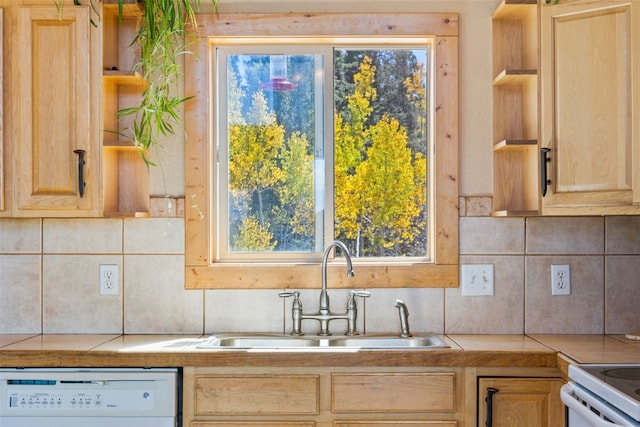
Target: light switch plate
(477,279)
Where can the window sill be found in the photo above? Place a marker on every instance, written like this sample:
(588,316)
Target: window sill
(308,276)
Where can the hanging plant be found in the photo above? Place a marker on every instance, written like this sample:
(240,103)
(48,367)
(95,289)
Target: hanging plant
(161,41)
(160,38)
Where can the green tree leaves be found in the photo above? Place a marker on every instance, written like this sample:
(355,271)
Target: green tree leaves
(380,183)
(380,170)
(270,181)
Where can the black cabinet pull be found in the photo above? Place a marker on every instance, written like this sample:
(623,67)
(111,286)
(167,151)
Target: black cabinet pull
(81,162)
(489,399)
(544,161)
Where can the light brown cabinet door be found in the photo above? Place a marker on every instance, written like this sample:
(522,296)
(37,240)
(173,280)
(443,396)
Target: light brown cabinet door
(393,392)
(57,103)
(256,395)
(252,424)
(523,402)
(395,423)
(590,57)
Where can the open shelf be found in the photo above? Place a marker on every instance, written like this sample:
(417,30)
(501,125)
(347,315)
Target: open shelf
(515,144)
(515,108)
(514,9)
(515,77)
(125,174)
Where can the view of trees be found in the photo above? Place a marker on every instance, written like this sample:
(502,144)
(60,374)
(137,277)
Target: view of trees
(380,149)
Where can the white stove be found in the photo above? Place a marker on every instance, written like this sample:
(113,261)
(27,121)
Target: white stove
(603,395)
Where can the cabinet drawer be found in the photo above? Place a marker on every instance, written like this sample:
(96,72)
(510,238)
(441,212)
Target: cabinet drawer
(254,424)
(395,424)
(393,392)
(251,394)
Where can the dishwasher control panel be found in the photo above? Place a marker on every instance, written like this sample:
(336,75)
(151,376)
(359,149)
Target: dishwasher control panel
(60,395)
(89,393)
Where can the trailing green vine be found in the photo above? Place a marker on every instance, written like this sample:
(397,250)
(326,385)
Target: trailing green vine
(161,41)
(160,38)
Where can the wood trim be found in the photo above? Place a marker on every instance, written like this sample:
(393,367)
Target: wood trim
(200,271)
(328,24)
(307,276)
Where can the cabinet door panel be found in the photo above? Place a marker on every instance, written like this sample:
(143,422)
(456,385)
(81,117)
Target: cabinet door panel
(251,394)
(525,402)
(55,110)
(252,424)
(588,103)
(395,423)
(393,392)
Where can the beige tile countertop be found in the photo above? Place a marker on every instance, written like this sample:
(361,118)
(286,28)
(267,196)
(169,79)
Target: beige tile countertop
(594,348)
(180,350)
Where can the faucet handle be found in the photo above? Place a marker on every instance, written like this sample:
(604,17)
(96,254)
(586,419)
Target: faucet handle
(361,294)
(352,310)
(287,294)
(296,310)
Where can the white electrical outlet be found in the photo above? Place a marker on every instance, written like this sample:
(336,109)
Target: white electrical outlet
(560,279)
(477,279)
(108,279)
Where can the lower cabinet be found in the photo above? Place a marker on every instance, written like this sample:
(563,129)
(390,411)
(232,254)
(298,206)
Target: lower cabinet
(507,402)
(336,397)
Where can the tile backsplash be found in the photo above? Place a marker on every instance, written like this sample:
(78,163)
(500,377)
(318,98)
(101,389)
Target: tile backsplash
(49,270)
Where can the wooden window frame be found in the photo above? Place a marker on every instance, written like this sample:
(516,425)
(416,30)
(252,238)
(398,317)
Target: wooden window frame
(201,272)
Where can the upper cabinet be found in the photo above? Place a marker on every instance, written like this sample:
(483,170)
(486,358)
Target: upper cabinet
(68,70)
(54,96)
(515,108)
(590,123)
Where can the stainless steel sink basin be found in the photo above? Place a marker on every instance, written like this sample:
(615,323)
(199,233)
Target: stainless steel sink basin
(425,341)
(278,341)
(251,341)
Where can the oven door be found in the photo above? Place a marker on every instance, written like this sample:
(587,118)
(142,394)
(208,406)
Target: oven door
(587,410)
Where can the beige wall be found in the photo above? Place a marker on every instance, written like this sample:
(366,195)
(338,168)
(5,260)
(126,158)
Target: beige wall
(49,268)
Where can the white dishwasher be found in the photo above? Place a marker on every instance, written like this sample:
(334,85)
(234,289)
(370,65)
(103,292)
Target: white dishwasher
(74,397)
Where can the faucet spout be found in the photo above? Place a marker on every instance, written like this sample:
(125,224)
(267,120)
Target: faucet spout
(324,295)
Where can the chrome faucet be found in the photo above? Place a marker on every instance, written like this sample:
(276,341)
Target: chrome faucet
(324,314)
(324,295)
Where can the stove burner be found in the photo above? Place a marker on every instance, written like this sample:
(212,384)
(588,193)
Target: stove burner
(623,373)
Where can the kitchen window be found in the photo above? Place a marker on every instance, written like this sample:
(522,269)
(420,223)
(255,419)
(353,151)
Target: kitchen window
(317,142)
(265,191)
